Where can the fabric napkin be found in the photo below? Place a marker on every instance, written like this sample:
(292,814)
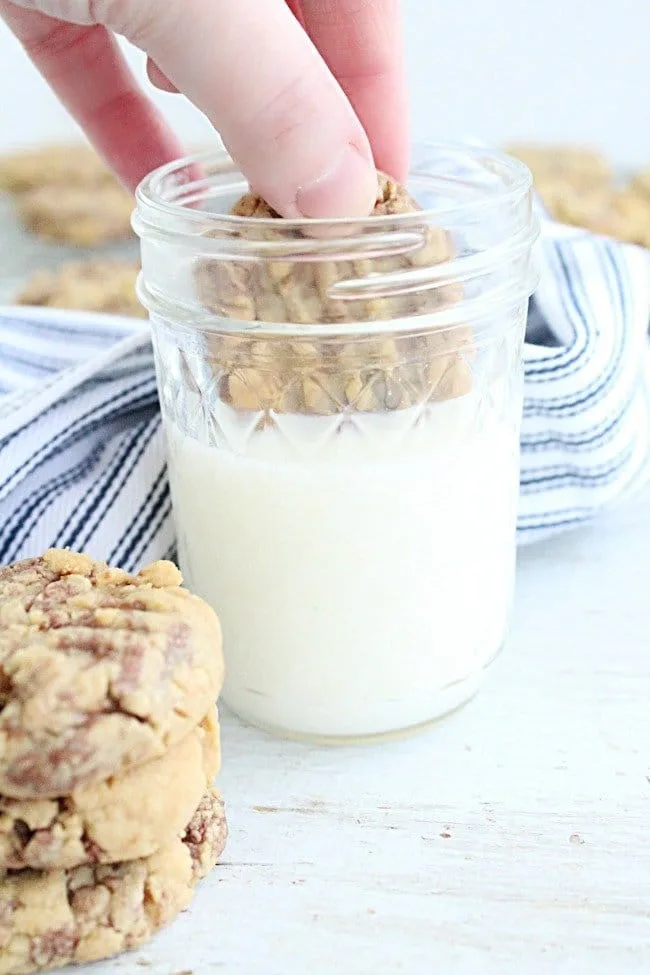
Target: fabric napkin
(82,460)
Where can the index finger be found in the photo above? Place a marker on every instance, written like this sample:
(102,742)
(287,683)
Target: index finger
(361,42)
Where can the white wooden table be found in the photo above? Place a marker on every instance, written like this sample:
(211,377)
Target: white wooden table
(512,839)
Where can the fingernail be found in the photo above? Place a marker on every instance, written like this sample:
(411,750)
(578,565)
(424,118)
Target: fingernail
(348,188)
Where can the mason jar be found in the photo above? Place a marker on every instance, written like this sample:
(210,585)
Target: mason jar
(341,403)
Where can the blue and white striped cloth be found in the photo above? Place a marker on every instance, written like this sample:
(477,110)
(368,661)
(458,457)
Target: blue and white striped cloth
(82,460)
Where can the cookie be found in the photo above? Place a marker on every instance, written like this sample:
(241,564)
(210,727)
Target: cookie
(641,183)
(124,818)
(77,215)
(104,286)
(48,920)
(576,165)
(302,292)
(622,214)
(312,376)
(57,165)
(99,670)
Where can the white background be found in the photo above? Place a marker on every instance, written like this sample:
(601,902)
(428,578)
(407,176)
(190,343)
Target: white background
(493,69)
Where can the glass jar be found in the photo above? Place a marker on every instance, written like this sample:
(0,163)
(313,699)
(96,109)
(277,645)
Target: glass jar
(341,403)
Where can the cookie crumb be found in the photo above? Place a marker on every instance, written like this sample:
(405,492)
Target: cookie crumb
(65,563)
(161,574)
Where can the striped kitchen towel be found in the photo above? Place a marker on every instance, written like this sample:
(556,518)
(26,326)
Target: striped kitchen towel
(81,449)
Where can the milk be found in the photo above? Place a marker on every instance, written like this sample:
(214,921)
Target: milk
(363,577)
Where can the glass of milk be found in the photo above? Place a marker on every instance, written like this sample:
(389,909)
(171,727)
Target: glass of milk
(341,403)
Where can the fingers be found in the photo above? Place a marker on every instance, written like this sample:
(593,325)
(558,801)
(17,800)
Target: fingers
(361,42)
(158,79)
(249,67)
(86,69)
(294,7)
(253,71)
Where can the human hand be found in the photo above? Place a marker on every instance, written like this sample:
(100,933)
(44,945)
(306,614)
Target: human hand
(259,71)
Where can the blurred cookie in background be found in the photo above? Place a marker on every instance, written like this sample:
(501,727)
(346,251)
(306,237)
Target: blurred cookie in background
(620,213)
(104,286)
(578,186)
(575,165)
(641,182)
(54,165)
(79,216)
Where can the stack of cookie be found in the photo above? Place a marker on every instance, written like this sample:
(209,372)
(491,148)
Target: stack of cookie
(109,745)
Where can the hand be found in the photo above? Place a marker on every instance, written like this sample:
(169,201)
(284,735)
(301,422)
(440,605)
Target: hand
(292,87)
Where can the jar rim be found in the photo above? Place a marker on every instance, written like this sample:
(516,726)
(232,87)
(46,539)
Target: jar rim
(512,186)
(483,204)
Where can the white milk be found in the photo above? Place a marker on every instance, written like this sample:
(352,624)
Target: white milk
(363,581)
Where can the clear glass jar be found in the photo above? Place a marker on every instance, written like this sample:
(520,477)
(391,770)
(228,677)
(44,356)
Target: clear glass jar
(342,403)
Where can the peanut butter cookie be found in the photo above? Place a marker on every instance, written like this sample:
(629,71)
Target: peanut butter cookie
(104,286)
(99,670)
(641,183)
(300,291)
(48,920)
(577,165)
(54,165)
(622,213)
(77,215)
(327,375)
(124,818)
